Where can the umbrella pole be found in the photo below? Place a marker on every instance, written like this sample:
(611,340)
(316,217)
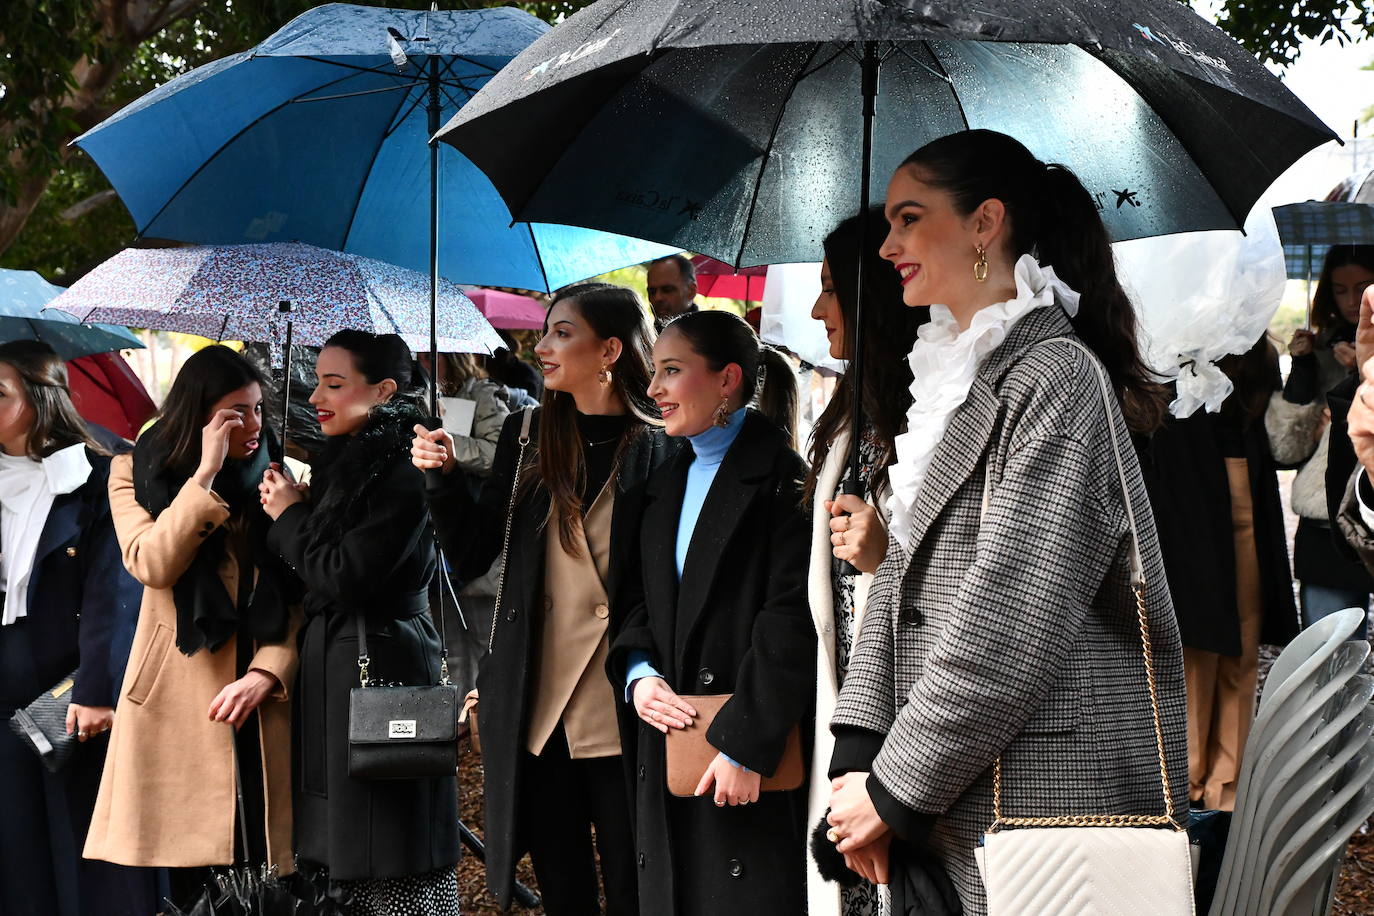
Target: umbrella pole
(284,307)
(433,236)
(854,334)
(1307,291)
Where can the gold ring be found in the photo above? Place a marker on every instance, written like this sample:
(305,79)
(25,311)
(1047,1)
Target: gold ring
(833,835)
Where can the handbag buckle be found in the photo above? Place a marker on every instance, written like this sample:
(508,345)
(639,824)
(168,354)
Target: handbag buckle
(363,678)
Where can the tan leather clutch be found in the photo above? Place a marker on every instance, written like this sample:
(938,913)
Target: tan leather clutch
(689,753)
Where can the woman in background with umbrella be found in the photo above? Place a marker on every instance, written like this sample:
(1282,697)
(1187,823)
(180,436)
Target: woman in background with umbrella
(851,529)
(68,605)
(1004,630)
(362,545)
(1299,424)
(203,709)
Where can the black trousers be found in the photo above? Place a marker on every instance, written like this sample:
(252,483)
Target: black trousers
(562,800)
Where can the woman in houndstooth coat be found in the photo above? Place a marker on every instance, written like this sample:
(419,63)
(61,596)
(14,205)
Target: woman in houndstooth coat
(1002,620)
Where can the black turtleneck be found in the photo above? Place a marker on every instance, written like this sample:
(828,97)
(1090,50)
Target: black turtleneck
(600,438)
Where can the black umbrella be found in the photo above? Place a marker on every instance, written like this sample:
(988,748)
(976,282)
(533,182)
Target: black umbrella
(747,131)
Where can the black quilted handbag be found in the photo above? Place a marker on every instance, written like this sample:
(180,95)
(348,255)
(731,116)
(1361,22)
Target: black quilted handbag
(401,732)
(42,725)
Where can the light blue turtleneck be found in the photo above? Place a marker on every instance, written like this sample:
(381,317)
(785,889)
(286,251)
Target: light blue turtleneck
(709,450)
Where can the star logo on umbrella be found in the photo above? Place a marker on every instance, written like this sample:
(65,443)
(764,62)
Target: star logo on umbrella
(1124,197)
(691,209)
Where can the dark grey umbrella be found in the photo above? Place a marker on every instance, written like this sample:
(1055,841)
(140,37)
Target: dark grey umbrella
(1307,229)
(747,131)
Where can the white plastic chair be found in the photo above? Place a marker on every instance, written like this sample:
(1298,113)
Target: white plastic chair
(1283,727)
(1313,850)
(1323,772)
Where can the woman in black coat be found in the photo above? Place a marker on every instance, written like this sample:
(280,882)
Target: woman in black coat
(724,545)
(77,613)
(551,742)
(362,545)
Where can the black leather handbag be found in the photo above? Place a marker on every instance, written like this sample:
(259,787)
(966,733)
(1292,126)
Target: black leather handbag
(402,732)
(42,725)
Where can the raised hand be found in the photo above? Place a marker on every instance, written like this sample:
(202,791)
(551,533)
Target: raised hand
(432,448)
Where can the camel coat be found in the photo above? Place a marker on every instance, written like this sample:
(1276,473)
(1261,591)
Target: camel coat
(167,793)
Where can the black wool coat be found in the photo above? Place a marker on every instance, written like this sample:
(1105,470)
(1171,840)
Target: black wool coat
(470,533)
(1185,473)
(363,544)
(737,623)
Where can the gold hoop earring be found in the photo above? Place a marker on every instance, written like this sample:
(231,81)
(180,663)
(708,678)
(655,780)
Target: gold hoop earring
(721,417)
(980,266)
(604,376)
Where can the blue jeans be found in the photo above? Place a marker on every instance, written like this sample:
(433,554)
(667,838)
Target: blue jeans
(1319,600)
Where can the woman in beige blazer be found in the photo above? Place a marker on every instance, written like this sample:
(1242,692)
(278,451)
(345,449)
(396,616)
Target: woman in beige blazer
(848,528)
(215,645)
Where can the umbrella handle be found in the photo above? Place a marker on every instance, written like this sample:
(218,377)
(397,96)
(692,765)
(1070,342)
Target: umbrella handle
(852,487)
(285,308)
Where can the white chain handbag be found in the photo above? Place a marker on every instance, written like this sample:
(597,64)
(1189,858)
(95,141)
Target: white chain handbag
(1094,864)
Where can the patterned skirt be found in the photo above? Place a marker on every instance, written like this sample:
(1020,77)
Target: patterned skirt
(431,894)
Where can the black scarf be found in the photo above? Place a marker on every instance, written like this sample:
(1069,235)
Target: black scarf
(349,464)
(207,615)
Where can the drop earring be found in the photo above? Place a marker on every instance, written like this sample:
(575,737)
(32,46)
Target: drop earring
(721,417)
(980,266)
(604,376)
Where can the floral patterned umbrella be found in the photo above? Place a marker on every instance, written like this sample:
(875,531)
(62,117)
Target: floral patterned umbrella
(235,292)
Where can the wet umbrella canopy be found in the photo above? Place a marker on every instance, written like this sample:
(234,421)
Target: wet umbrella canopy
(753,113)
(320,135)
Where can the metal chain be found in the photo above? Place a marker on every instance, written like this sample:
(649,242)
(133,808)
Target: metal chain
(510,515)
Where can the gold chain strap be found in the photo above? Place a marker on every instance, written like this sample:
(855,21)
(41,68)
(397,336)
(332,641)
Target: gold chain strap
(510,515)
(1147,650)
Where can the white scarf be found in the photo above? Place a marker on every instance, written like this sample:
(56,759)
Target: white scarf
(27,491)
(944,361)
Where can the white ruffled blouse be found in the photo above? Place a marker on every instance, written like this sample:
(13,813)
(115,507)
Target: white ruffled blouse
(944,362)
(27,491)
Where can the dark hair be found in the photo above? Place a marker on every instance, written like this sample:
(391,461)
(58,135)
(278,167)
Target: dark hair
(767,379)
(685,267)
(610,311)
(1255,374)
(890,327)
(1054,218)
(382,356)
(43,376)
(1327,320)
(207,375)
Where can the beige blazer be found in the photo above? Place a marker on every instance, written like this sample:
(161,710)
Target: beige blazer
(824,896)
(570,671)
(167,791)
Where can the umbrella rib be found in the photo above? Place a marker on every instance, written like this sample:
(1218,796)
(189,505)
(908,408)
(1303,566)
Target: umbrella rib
(538,257)
(380,71)
(825,63)
(224,146)
(944,75)
(362,185)
(763,164)
(350,95)
(396,122)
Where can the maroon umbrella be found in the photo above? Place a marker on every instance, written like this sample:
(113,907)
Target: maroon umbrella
(718,279)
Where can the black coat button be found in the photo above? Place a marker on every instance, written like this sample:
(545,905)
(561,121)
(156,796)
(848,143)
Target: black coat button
(641,860)
(643,773)
(510,615)
(736,868)
(706,677)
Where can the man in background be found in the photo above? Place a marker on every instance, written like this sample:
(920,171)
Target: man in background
(672,283)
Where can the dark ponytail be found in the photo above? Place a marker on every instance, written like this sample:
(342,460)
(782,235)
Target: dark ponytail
(383,356)
(1054,218)
(767,379)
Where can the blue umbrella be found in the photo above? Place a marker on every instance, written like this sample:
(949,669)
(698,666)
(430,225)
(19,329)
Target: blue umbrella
(321,135)
(23,294)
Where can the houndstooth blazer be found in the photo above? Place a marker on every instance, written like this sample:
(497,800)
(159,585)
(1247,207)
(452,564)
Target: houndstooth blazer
(1019,636)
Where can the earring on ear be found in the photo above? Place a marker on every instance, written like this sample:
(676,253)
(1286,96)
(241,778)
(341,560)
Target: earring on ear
(980,266)
(722,415)
(604,376)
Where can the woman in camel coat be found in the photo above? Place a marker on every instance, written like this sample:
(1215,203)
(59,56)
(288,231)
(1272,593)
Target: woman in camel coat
(167,795)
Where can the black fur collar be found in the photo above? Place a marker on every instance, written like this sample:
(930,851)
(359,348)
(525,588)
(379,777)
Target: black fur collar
(350,465)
